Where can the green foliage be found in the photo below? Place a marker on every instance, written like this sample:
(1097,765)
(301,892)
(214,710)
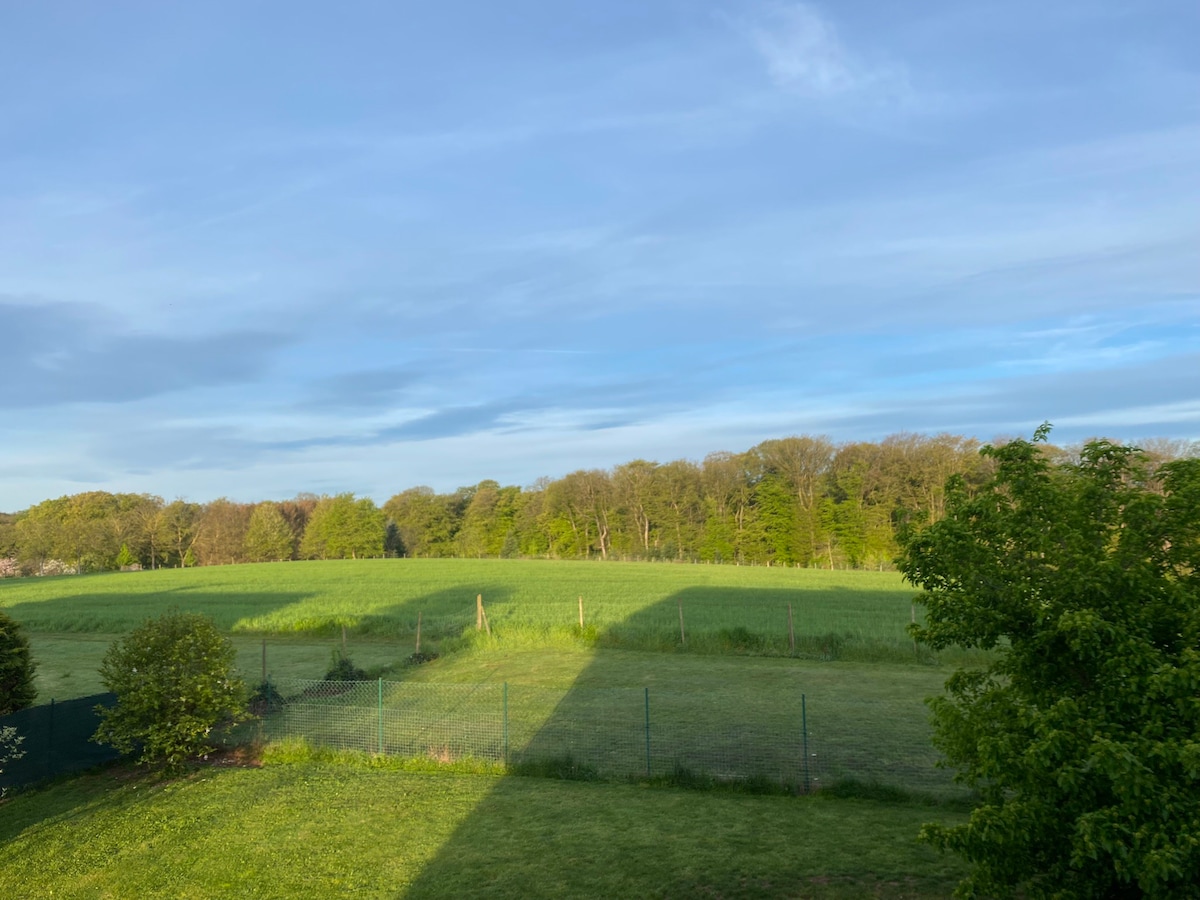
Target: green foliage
(10,748)
(342,668)
(16,667)
(1082,735)
(269,537)
(176,689)
(265,699)
(125,557)
(342,527)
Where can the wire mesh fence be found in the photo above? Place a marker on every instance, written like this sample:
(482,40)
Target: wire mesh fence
(799,742)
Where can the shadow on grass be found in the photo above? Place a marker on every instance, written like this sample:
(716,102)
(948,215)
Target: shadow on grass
(665,735)
(113,613)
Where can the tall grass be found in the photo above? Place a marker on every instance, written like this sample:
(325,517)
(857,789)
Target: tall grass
(725,609)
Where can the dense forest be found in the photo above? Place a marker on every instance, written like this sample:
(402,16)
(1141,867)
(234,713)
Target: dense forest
(794,501)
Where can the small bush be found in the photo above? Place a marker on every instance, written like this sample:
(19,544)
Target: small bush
(265,700)
(342,668)
(697,780)
(740,640)
(855,789)
(10,748)
(176,690)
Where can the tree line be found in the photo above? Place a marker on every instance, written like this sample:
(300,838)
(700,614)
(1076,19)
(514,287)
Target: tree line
(794,501)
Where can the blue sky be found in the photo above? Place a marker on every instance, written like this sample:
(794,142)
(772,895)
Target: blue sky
(255,248)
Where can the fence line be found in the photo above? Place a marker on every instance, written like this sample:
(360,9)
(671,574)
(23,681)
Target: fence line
(614,732)
(57,739)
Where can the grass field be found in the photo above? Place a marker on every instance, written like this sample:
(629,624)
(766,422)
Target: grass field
(730,696)
(842,615)
(326,826)
(311,823)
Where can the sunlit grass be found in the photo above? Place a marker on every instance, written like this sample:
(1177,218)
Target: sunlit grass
(858,615)
(326,825)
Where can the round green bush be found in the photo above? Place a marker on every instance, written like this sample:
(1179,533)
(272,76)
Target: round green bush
(176,689)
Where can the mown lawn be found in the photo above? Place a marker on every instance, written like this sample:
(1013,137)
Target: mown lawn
(312,826)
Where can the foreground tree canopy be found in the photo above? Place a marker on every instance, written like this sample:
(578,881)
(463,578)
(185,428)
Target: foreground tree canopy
(176,689)
(1083,737)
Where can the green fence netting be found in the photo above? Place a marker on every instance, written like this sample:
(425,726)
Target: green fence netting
(616,732)
(56,740)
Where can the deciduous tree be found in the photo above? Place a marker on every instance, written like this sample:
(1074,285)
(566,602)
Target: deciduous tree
(268,536)
(342,527)
(1083,735)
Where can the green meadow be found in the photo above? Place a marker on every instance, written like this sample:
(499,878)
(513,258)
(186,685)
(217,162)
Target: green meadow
(757,610)
(310,820)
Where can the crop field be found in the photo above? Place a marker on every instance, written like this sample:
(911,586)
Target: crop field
(844,615)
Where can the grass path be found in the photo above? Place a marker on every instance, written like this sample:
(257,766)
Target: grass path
(314,828)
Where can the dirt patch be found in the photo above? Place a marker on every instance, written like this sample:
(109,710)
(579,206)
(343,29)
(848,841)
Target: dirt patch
(246,757)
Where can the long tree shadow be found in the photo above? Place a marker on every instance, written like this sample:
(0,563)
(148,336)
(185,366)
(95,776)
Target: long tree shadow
(682,717)
(110,613)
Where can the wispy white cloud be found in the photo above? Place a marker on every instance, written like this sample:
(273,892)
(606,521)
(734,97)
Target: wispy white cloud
(804,53)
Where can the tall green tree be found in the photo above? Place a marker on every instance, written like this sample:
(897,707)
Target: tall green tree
(1083,735)
(269,537)
(427,522)
(343,527)
(180,519)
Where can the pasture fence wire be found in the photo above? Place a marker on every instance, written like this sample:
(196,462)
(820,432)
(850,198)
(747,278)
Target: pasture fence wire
(612,733)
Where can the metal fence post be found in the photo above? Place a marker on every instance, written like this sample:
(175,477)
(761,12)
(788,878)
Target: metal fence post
(381,716)
(506,724)
(50,742)
(647,732)
(804,729)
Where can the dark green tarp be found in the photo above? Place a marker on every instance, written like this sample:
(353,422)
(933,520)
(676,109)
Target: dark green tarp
(57,740)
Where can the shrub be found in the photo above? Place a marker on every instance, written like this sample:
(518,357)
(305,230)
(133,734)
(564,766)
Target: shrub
(342,668)
(176,690)
(16,668)
(10,748)
(266,699)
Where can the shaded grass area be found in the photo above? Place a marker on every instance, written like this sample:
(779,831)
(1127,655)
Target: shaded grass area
(719,717)
(324,825)
(68,664)
(865,720)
